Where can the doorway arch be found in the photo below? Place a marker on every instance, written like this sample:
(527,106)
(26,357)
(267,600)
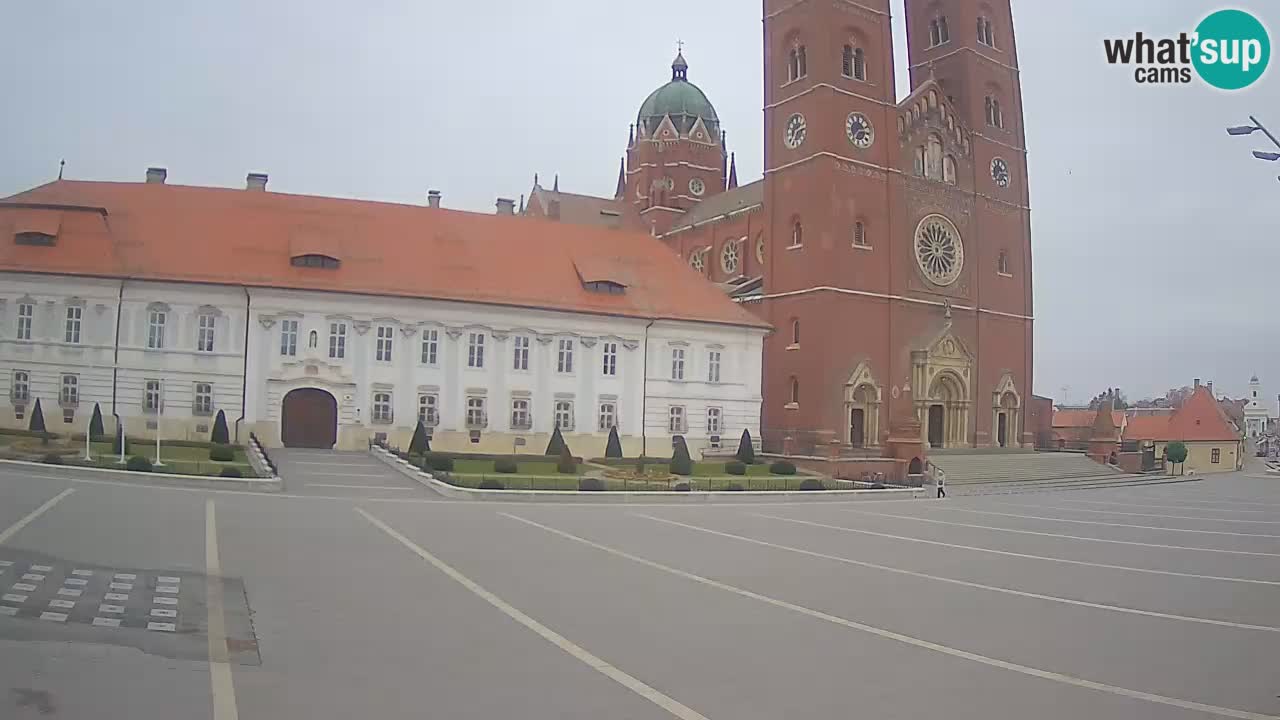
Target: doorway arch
(309,419)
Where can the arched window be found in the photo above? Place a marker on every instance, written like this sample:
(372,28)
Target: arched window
(793,65)
(919,161)
(846,67)
(795,332)
(1002,263)
(949,170)
(854,64)
(795,390)
(933,99)
(797,233)
(804,62)
(933,158)
(985,34)
(943,34)
(313,339)
(934,37)
(860,234)
(994,116)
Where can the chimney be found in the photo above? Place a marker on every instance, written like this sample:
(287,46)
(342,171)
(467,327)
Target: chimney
(156,175)
(433,198)
(1197,387)
(1210,386)
(256,181)
(506,206)
(553,209)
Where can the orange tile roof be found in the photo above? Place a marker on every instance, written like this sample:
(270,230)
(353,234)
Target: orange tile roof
(242,237)
(1198,420)
(1076,418)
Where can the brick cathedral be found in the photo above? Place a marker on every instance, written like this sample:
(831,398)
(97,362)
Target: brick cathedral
(889,241)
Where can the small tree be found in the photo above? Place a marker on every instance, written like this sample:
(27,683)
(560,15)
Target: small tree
(567,464)
(418,444)
(220,436)
(37,419)
(614,448)
(1176,452)
(95,423)
(746,451)
(681,463)
(557,443)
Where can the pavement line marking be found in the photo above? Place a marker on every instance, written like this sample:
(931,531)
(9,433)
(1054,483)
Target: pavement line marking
(652,695)
(360,487)
(1168,507)
(349,475)
(1180,517)
(909,640)
(1009,553)
(333,464)
(1095,522)
(965,583)
(1061,536)
(224,693)
(14,528)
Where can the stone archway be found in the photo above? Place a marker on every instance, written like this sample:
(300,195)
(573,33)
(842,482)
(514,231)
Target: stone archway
(1006,414)
(309,419)
(947,413)
(862,409)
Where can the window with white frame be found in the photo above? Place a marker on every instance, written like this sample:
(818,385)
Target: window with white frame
(477,415)
(520,355)
(26,313)
(20,389)
(289,337)
(155,329)
(429,409)
(676,421)
(677,363)
(383,348)
(151,398)
(430,350)
(520,417)
(609,358)
(564,358)
(74,314)
(70,394)
(608,416)
(475,350)
(564,414)
(204,333)
(203,399)
(381,407)
(860,235)
(985,35)
(337,340)
(715,420)
(713,366)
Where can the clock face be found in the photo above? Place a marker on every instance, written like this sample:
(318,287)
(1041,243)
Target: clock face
(859,131)
(1000,172)
(697,187)
(795,132)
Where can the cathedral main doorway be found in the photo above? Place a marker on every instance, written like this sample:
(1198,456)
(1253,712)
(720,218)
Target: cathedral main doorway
(936,421)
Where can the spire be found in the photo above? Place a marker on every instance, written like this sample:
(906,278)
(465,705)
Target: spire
(622,178)
(733,170)
(680,68)
(631,135)
(556,187)
(521,203)
(535,179)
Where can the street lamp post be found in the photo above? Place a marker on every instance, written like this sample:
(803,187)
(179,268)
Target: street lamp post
(1251,129)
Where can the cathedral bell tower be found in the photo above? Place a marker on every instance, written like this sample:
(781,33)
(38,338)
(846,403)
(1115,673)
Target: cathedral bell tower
(676,154)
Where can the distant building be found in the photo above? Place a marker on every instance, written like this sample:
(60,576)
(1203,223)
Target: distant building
(1212,443)
(1073,427)
(1255,412)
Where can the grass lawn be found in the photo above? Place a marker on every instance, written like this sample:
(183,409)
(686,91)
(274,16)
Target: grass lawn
(540,466)
(180,460)
(717,469)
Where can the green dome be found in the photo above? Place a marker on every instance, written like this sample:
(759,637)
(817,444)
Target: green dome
(680,99)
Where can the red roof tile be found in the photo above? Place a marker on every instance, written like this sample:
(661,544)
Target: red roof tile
(1147,427)
(1198,420)
(241,237)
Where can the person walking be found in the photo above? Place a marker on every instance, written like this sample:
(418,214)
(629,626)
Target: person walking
(942,485)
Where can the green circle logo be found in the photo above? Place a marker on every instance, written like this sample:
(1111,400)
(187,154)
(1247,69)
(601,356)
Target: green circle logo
(1232,49)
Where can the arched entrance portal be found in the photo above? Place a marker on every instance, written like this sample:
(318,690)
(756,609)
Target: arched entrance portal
(309,419)
(947,411)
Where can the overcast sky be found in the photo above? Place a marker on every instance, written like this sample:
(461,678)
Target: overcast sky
(1155,235)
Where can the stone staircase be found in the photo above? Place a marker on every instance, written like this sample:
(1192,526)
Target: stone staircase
(990,466)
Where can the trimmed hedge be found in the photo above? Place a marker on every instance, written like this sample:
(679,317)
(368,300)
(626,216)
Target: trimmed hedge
(52,459)
(734,467)
(231,472)
(734,487)
(746,451)
(782,467)
(613,448)
(27,433)
(219,435)
(221,453)
(505,466)
(138,463)
(438,462)
(681,463)
(630,462)
(566,465)
(812,484)
(492,484)
(590,484)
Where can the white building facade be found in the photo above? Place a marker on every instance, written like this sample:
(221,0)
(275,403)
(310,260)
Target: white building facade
(1255,412)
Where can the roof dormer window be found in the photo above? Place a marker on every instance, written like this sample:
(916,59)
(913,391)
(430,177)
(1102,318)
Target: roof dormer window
(606,287)
(34,238)
(315,261)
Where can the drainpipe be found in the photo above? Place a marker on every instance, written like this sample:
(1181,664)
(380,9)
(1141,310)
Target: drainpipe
(244,377)
(644,392)
(115,362)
